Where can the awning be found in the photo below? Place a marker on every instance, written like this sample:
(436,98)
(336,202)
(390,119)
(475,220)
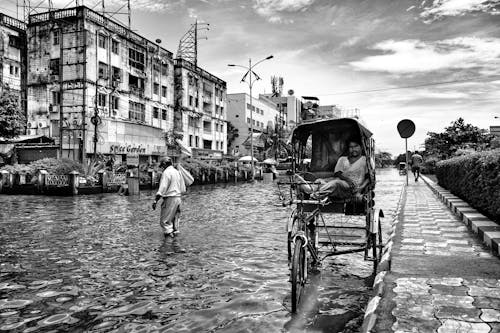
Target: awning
(184,149)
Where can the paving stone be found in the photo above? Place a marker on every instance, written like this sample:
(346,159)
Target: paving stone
(446,281)
(490,315)
(484,291)
(412,240)
(452,300)
(480,282)
(434,244)
(495,327)
(415,325)
(457,241)
(458,313)
(456,326)
(449,290)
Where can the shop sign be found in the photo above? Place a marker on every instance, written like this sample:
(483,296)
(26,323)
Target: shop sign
(133,160)
(127,149)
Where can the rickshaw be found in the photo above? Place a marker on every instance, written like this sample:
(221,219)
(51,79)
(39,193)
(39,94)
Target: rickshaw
(402,168)
(324,227)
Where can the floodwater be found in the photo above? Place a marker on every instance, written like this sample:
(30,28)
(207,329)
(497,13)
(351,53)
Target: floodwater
(100,264)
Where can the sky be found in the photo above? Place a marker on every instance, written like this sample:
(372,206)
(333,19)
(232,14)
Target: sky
(430,61)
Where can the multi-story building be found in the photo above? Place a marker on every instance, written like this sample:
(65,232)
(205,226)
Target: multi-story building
(200,110)
(97,87)
(262,113)
(13,58)
(289,108)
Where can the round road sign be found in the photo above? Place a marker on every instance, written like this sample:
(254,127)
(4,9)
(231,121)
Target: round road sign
(406,128)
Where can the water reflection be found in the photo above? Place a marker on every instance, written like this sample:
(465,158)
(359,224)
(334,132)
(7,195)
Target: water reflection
(101,264)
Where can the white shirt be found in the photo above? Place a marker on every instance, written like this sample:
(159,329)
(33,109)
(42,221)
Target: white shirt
(170,183)
(356,171)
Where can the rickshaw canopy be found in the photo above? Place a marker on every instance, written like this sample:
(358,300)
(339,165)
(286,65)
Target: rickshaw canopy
(330,139)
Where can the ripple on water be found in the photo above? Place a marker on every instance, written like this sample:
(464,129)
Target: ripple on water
(102,259)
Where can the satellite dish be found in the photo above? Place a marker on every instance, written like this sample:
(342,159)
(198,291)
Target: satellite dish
(406,128)
(291,92)
(158,40)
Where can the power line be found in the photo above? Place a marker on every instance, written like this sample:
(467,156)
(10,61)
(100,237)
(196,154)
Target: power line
(411,86)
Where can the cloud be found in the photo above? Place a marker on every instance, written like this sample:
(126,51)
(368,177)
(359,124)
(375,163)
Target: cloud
(413,56)
(271,9)
(440,8)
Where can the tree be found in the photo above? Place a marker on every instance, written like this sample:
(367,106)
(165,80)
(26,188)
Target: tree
(232,134)
(12,120)
(458,135)
(383,159)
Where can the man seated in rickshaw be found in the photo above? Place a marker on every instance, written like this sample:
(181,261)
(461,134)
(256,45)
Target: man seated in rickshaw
(350,177)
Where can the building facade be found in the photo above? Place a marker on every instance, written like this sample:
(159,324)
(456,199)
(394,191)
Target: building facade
(200,110)
(289,107)
(262,112)
(13,58)
(97,87)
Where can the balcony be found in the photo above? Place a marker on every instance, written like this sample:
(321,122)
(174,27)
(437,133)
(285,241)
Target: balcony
(136,91)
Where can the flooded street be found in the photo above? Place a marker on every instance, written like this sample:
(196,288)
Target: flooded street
(100,264)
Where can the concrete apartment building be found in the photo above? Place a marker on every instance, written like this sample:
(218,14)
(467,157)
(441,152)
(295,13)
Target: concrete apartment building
(97,87)
(13,57)
(264,115)
(200,110)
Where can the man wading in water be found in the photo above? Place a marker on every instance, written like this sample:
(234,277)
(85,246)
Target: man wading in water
(170,191)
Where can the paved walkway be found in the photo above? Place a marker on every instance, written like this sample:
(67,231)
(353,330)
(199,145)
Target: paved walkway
(441,277)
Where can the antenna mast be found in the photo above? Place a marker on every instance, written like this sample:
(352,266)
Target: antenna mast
(188,45)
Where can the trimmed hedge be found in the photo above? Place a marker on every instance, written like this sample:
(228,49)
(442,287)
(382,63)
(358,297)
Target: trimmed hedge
(475,178)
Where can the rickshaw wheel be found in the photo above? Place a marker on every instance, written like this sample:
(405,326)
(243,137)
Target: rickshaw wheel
(298,272)
(293,230)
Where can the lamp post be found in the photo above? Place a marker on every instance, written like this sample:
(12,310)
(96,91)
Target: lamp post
(250,73)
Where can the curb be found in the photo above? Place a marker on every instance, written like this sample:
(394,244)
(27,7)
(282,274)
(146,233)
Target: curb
(370,317)
(487,230)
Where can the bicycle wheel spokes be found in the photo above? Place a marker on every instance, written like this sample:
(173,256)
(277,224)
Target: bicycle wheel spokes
(298,272)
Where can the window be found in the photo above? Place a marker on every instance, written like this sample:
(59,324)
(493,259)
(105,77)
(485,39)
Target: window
(163,91)
(115,46)
(248,120)
(55,37)
(16,71)
(190,140)
(207,126)
(11,70)
(136,111)
(101,99)
(136,59)
(15,41)
(116,73)
(196,102)
(190,100)
(156,88)
(102,41)
(164,69)
(164,114)
(136,84)
(103,70)
(156,67)
(221,110)
(155,112)
(115,102)
(197,141)
(207,144)
(54,66)
(56,98)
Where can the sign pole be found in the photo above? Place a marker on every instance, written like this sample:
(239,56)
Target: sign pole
(406,157)
(406,128)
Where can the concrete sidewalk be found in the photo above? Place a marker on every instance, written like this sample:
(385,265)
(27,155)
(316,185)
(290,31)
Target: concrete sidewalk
(440,276)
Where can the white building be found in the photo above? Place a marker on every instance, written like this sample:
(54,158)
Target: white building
(13,57)
(200,110)
(262,113)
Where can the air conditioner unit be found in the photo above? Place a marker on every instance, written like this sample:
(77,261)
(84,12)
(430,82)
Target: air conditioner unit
(105,110)
(42,124)
(114,112)
(53,77)
(115,83)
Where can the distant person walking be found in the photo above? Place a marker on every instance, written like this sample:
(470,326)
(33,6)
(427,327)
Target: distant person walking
(416,162)
(171,187)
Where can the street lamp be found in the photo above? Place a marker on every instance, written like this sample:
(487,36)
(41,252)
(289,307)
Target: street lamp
(250,73)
